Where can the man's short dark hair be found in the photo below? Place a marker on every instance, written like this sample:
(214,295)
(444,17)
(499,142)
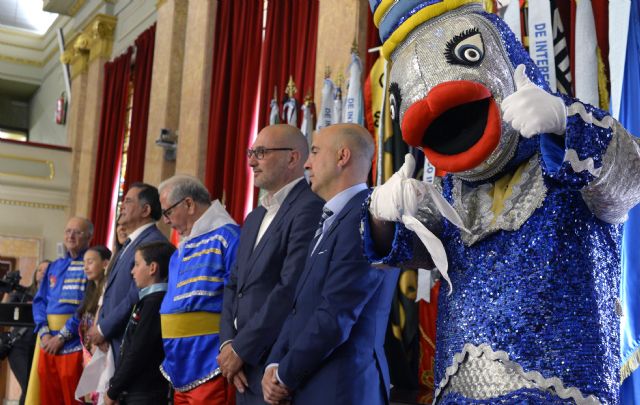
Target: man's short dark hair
(149,195)
(159,252)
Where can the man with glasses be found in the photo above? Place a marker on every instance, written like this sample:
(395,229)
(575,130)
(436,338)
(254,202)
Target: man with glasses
(139,212)
(198,270)
(273,247)
(59,362)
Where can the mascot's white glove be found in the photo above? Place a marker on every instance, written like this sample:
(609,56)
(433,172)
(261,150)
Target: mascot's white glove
(530,110)
(398,199)
(399,195)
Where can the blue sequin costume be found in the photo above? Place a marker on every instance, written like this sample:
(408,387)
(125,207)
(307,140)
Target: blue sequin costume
(532,314)
(198,271)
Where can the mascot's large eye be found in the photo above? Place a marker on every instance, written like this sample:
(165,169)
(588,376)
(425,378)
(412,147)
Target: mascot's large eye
(395,99)
(466,48)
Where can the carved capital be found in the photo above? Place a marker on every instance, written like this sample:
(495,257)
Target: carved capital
(101,29)
(95,41)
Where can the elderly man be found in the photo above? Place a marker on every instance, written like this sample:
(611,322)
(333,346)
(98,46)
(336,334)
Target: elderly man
(190,311)
(273,248)
(138,214)
(59,363)
(330,349)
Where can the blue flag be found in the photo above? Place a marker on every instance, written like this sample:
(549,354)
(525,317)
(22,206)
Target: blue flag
(630,283)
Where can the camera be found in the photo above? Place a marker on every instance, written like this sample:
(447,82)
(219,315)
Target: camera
(8,339)
(10,283)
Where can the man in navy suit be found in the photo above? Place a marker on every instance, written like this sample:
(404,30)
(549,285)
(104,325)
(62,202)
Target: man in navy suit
(271,255)
(330,350)
(138,214)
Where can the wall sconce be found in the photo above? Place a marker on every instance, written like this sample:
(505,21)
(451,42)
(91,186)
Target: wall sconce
(169,142)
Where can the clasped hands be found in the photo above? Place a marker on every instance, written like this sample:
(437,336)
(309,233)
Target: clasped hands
(231,366)
(273,391)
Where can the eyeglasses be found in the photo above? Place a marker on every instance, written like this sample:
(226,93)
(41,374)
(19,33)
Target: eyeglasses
(167,212)
(259,152)
(73,232)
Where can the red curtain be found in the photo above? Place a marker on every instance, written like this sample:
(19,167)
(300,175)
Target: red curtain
(112,126)
(234,92)
(373,40)
(289,50)
(140,111)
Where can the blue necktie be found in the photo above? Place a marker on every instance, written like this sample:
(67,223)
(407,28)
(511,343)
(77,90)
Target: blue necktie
(326,213)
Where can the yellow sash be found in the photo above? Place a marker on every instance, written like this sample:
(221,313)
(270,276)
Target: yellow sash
(189,324)
(56,322)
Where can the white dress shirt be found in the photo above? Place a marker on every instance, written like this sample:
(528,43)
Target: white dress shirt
(272,203)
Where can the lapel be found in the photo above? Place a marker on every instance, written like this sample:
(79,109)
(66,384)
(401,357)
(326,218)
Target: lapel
(124,254)
(277,220)
(354,203)
(249,232)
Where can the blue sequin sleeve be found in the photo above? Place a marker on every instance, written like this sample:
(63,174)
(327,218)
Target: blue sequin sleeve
(596,156)
(401,248)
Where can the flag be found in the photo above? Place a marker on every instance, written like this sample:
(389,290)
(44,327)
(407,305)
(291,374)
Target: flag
(630,278)
(290,111)
(541,40)
(354,104)
(307,119)
(377,124)
(586,54)
(274,114)
(561,52)
(336,116)
(512,18)
(326,109)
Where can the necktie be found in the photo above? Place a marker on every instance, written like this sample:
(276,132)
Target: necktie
(114,259)
(326,213)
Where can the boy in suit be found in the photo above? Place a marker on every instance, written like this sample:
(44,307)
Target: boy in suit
(137,379)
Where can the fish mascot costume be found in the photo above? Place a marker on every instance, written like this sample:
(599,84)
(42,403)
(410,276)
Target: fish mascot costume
(524,222)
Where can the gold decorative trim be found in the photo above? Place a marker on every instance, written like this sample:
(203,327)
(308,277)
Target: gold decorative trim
(160,3)
(630,365)
(21,61)
(73,10)
(31,204)
(94,42)
(21,46)
(46,162)
(21,33)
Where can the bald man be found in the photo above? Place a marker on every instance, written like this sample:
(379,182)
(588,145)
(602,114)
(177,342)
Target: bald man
(273,248)
(59,362)
(330,350)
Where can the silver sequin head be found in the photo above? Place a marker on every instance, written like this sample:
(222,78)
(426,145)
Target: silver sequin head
(424,60)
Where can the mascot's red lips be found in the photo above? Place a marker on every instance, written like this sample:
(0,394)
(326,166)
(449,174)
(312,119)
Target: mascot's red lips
(457,125)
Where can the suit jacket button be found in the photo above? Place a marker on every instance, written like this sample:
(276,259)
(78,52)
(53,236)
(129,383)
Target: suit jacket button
(239,295)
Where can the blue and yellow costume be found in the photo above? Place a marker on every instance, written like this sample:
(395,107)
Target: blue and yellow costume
(54,307)
(190,311)
(58,299)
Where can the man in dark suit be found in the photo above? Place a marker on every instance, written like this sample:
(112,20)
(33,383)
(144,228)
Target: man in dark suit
(271,255)
(138,214)
(330,350)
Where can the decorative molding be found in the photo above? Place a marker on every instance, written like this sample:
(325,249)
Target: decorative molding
(94,42)
(48,167)
(73,10)
(20,33)
(32,204)
(21,61)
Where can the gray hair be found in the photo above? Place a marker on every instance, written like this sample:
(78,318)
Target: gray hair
(182,186)
(87,223)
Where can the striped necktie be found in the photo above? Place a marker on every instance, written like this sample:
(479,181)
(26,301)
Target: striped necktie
(326,213)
